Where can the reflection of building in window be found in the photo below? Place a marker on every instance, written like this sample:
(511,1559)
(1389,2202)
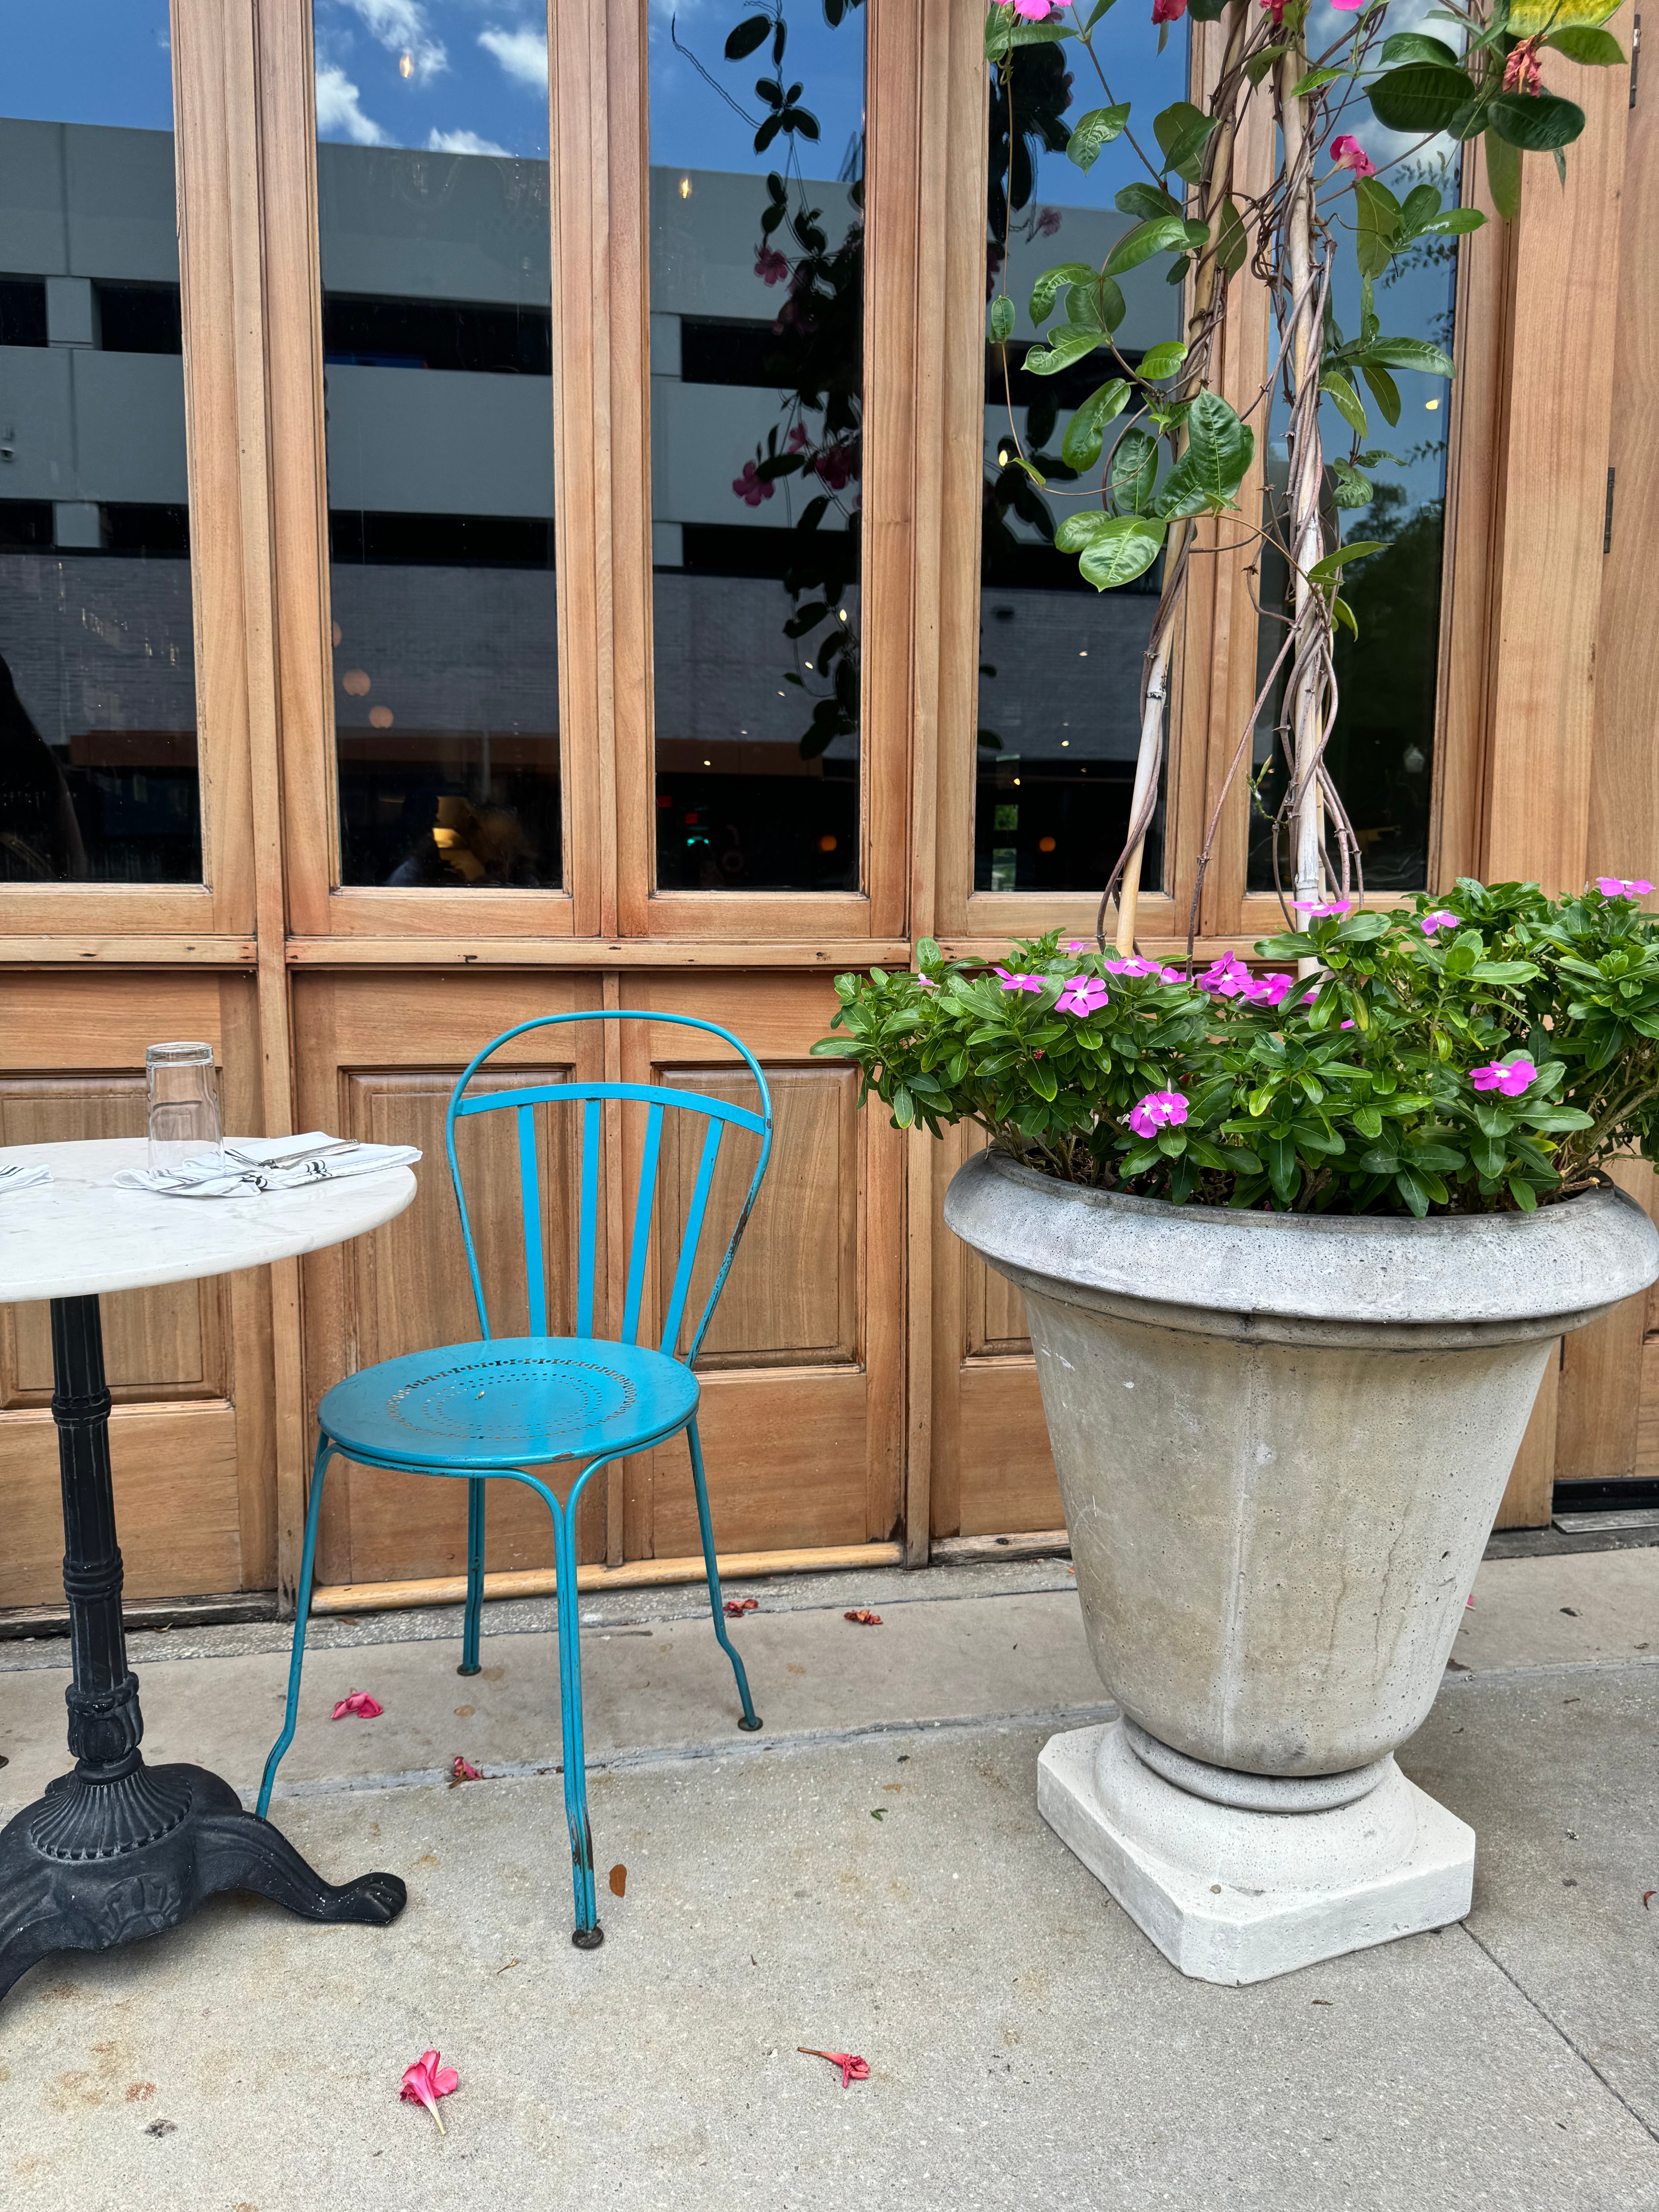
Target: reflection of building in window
(98,778)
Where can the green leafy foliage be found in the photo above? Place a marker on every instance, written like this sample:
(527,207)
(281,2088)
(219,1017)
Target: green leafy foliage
(1351,1093)
(1093,130)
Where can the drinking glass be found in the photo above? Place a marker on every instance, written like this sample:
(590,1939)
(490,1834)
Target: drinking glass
(184,1105)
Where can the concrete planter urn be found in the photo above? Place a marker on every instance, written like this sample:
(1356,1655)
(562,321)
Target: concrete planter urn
(1281,1440)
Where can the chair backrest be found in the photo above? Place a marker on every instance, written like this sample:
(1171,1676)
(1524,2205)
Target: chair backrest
(590,1098)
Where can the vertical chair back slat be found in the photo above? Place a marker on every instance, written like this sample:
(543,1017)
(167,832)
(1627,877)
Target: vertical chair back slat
(529,1194)
(590,1098)
(643,1206)
(692,1237)
(588,1238)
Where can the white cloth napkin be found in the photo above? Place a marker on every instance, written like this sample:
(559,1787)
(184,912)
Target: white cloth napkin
(241,1173)
(22,1178)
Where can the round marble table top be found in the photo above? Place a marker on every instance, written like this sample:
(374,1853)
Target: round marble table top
(81,1233)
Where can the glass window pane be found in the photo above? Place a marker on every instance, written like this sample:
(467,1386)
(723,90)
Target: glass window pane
(1059,663)
(437,296)
(98,775)
(1380,755)
(757,406)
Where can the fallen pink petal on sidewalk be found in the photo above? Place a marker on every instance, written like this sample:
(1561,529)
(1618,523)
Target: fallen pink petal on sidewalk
(425,2082)
(357,1705)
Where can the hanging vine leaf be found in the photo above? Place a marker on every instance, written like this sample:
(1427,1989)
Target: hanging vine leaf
(1093,130)
(1536,125)
(753,32)
(1183,131)
(1002,318)
(1424,97)
(1085,433)
(1134,471)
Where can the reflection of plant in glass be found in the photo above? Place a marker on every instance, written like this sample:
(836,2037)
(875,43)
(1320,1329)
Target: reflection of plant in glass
(818,361)
(1182,452)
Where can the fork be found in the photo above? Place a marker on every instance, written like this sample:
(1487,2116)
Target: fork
(294,1159)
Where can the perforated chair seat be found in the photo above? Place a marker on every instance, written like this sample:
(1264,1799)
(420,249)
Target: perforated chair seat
(514,1401)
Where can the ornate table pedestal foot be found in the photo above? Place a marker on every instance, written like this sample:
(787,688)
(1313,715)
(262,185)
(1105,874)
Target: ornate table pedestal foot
(118,1851)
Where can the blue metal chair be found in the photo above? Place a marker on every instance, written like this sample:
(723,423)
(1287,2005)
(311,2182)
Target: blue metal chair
(509,1404)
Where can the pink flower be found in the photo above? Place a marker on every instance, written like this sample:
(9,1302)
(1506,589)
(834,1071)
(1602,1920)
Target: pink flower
(1048,221)
(1020,982)
(839,464)
(798,438)
(1082,995)
(752,487)
(425,2082)
(1511,1077)
(1522,72)
(1269,990)
(1440,919)
(1630,887)
(853,2067)
(770,266)
(1172,974)
(463,1769)
(1347,153)
(1157,1109)
(1278,11)
(1168,11)
(1080,945)
(1316,908)
(1348,7)
(1347,1025)
(1228,978)
(357,1705)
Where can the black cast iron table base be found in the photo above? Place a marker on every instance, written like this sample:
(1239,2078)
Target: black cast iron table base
(118,1851)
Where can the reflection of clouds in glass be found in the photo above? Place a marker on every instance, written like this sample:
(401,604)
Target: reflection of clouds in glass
(339,114)
(464,142)
(522,54)
(401,26)
(1326,26)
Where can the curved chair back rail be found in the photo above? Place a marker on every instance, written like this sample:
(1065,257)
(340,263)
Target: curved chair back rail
(590,1099)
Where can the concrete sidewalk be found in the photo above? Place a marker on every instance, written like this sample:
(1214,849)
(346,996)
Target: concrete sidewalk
(1026,2043)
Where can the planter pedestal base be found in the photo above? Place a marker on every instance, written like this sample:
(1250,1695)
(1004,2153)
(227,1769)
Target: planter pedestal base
(1280,1877)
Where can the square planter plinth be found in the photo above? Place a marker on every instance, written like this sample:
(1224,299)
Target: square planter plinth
(1324,1888)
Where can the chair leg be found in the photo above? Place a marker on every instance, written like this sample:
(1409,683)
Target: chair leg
(475,1570)
(751,1718)
(302,1612)
(587,1934)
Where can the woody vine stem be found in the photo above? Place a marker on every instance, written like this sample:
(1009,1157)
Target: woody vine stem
(1184,452)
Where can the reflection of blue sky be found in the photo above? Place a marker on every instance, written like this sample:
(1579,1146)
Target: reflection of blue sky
(88,61)
(693,127)
(458,77)
(1133,70)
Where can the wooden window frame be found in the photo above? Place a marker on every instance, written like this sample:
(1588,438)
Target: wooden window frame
(1214,678)
(851,919)
(99,919)
(320,907)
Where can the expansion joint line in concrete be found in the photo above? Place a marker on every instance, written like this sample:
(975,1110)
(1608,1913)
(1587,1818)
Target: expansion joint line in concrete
(1551,2022)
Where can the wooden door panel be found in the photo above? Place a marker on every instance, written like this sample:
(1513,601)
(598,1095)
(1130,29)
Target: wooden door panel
(188,1364)
(176,1503)
(378,1058)
(992,1471)
(802,1413)
(791,1297)
(158,1344)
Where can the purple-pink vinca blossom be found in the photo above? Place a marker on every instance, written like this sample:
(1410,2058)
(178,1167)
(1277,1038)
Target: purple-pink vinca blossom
(1347,153)
(1442,918)
(1315,907)
(1271,990)
(1511,1077)
(1020,982)
(1032,11)
(1159,1110)
(1623,886)
(1227,978)
(1082,995)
